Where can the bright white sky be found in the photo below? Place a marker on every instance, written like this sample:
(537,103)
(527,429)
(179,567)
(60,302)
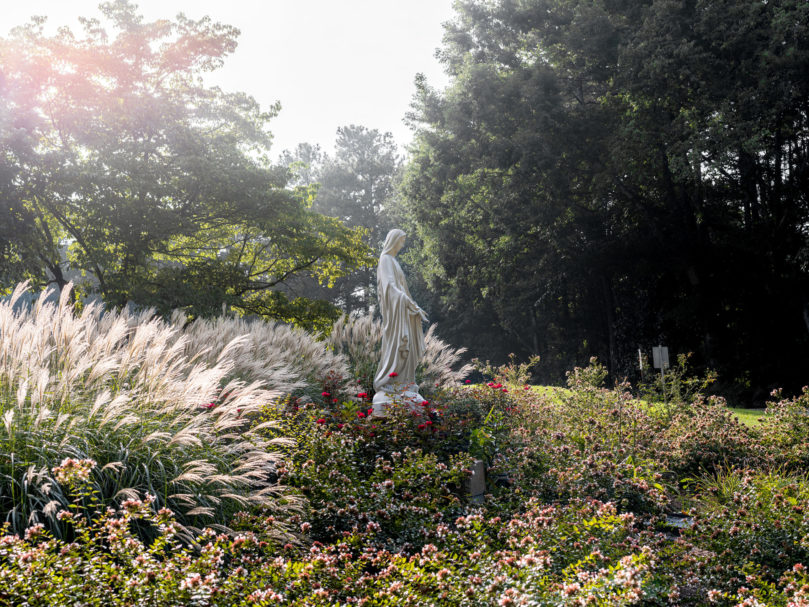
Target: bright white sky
(329,62)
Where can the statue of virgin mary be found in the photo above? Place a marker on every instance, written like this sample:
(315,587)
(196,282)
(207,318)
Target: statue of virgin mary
(402,337)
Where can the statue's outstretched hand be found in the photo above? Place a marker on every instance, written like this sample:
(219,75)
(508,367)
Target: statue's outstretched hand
(423,315)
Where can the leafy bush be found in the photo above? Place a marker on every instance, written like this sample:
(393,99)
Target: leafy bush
(784,430)
(677,388)
(705,437)
(755,522)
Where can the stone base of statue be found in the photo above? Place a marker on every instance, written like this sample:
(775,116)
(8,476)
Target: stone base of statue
(401,394)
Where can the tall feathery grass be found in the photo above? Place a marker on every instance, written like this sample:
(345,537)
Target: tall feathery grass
(159,412)
(358,337)
(284,358)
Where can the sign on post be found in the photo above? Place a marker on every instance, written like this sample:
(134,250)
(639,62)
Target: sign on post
(660,357)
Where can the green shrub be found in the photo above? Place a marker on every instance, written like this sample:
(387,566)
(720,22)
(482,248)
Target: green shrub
(705,437)
(784,430)
(753,521)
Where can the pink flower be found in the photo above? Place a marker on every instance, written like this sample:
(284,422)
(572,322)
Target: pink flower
(527,388)
(321,421)
(505,389)
(360,414)
(325,394)
(362,395)
(468,381)
(370,411)
(394,374)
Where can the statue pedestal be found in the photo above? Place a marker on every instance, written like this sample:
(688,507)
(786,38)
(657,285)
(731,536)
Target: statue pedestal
(395,393)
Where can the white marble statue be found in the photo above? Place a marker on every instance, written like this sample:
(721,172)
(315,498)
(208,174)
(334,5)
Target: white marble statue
(402,337)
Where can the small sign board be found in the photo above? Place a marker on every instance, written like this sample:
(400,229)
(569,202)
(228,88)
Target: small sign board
(660,357)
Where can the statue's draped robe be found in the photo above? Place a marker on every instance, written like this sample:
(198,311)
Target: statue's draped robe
(402,338)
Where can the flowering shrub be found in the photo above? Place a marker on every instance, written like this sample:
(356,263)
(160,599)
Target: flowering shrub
(116,444)
(755,522)
(784,430)
(677,388)
(547,555)
(354,483)
(707,436)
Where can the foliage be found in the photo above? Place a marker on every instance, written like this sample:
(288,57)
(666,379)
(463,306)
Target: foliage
(153,187)
(512,373)
(361,509)
(754,521)
(705,437)
(354,185)
(784,430)
(676,387)
(597,175)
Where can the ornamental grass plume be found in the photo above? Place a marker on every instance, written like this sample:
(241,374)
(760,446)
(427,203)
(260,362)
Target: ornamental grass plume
(359,338)
(284,358)
(118,388)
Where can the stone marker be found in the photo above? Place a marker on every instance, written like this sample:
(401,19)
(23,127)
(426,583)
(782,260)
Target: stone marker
(477,482)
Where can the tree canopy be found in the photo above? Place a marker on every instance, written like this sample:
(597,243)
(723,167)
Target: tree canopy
(604,175)
(120,163)
(357,186)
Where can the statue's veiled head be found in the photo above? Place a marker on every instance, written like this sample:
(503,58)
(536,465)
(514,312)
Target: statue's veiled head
(393,242)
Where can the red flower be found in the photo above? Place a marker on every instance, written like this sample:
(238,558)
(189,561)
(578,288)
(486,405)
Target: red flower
(505,389)
(334,400)
(425,403)
(362,395)
(394,374)
(360,414)
(468,381)
(340,426)
(370,411)
(321,421)
(325,394)
(428,423)
(421,426)
(210,405)
(527,388)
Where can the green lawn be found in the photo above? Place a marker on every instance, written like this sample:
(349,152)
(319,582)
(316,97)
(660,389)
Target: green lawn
(749,417)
